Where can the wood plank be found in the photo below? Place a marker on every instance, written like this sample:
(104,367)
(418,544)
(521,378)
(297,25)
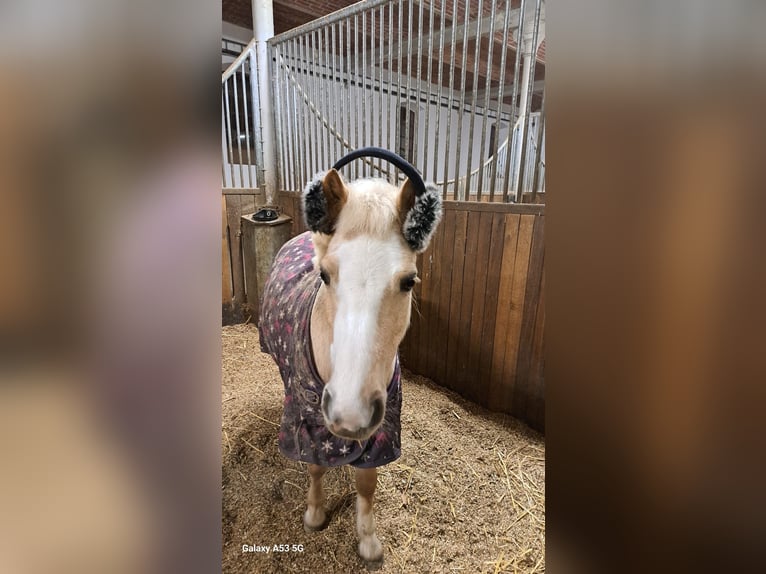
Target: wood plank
(244,191)
(490,306)
(413,340)
(226,290)
(475,387)
(520,208)
(440,327)
(463,347)
(518,290)
(522,388)
(456,281)
(536,407)
(233,213)
(503,315)
(429,302)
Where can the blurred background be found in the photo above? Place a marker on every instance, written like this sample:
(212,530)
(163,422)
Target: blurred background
(110,290)
(109,380)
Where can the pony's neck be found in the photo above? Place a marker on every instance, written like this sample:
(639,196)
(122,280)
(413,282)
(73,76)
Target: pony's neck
(321,334)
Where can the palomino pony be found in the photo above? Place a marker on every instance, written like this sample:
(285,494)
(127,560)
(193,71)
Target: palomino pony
(335,308)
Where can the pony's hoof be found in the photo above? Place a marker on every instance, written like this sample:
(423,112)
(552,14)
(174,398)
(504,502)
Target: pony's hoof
(371,551)
(314,521)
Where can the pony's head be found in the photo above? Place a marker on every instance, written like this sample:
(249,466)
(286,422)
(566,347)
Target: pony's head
(367,235)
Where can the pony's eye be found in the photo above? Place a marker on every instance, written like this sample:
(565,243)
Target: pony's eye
(324,276)
(407,283)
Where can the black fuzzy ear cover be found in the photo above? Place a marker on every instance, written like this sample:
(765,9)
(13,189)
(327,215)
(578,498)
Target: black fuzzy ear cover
(422,219)
(315,205)
(323,199)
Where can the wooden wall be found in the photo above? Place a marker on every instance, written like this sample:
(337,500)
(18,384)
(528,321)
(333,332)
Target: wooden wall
(478,323)
(478,320)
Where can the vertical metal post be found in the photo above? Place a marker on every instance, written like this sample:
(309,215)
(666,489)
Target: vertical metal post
(389,129)
(363,93)
(279,114)
(228,131)
(531,61)
(474,96)
(381,37)
(485,120)
(397,112)
(319,79)
(447,140)
(429,59)
(334,72)
(512,122)
(456,193)
(409,153)
(538,148)
(418,83)
(500,99)
(236,123)
(437,131)
(247,126)
(263,29)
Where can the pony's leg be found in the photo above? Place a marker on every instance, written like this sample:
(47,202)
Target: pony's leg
(314,518)
(370,547)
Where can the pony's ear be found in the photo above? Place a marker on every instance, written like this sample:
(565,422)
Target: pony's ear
(323,199)
(419,214)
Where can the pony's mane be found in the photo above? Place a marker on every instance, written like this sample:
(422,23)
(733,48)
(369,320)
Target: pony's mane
(371,208)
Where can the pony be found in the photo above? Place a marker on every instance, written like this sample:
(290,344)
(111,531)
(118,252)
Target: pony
(335,308)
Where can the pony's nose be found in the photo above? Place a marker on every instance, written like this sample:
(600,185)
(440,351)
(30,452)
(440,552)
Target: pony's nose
(352,423)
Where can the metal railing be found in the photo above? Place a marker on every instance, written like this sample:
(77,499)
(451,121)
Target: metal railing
(241,133)
(444,85)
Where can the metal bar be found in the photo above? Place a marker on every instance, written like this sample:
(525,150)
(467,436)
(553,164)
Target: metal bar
(298,123)
(316,138)
(358,94)
(471,124)
(319,79)
(528,109)
(228,132)
(461,110)
(334,116)
(397,112)
(487,85)
(348,83)
(538,151)
(429,59)
(279,115)
(512,124)
(257,120)
(238,60)
(223,141)
(290,113)
(500,98)
(390,73)
(409,153)
(439,95)
(284,89)
(247,127)
(380,88)
(364,85)
(438,101)
(304,139)
(447,140)
(415,138)
(373,83)
(336,16)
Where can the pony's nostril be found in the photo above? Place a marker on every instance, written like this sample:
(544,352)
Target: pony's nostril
(378,410)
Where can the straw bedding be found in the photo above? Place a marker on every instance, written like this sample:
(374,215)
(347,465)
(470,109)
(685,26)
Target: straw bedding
(467,495)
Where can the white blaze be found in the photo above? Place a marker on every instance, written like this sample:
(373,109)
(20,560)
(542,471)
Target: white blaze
(366,269)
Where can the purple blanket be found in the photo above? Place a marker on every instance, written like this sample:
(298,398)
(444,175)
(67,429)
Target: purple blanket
(284,333)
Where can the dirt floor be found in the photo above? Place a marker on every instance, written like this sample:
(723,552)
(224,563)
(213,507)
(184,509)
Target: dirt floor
(467,494)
